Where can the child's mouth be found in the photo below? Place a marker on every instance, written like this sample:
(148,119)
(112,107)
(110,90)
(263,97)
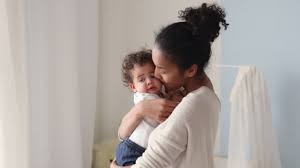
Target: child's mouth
(151,88)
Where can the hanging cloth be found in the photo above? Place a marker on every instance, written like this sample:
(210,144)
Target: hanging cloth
(252,140)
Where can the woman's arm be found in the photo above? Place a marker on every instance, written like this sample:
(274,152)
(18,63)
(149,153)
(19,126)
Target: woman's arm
(172,137)
(156,109)
(168,141)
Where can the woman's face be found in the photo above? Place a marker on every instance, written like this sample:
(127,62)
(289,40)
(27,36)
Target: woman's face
(166,71)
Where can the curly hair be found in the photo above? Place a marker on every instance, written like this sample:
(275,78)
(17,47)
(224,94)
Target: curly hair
(141,58)
(189,42)
(205,19)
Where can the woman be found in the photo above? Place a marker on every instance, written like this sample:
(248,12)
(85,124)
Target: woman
(181,53)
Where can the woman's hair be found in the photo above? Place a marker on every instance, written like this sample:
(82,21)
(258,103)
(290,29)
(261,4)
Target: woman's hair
(141,58)
(189,42)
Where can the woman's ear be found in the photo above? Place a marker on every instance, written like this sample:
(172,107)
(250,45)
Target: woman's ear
(132,87)
(191,71)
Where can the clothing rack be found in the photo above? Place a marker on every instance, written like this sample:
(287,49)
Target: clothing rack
(228,66)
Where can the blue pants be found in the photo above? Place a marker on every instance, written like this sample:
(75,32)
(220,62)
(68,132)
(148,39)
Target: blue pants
(128,152)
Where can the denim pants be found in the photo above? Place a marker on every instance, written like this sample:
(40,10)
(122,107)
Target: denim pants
(128,152)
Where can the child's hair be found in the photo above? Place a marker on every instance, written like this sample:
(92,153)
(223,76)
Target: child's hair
(141,58)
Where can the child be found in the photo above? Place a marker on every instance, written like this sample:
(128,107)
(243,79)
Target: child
(138,74)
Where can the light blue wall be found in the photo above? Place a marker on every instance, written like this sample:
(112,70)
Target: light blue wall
(266,33)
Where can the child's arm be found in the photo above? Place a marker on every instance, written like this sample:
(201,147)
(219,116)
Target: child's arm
(129,122)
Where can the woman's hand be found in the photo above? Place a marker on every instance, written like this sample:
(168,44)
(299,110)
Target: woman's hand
(156,109)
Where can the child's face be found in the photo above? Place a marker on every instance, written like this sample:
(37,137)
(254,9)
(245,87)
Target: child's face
(144,80)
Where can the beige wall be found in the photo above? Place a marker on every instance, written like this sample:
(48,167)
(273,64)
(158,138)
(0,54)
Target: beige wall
(125,26)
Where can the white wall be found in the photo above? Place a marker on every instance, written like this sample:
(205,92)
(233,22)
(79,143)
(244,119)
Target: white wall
(125,26)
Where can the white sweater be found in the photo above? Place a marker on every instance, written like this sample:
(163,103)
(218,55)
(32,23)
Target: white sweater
(186,139)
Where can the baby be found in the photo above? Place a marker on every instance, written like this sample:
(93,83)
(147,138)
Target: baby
(138,74)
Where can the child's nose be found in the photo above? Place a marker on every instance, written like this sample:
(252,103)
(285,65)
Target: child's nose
(149,81)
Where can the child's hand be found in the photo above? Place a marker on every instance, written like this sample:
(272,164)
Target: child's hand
(114,165)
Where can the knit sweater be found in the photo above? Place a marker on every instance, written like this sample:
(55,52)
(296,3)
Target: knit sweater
(186,139)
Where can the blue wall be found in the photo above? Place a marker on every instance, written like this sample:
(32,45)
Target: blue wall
(267,34)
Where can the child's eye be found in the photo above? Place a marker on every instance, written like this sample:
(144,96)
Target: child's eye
(141,79)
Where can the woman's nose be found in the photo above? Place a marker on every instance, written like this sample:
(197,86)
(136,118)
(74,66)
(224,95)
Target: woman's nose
(156,74)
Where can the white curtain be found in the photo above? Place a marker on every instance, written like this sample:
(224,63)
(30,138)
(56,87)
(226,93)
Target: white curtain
(48,79)
(14,130)
(252,138)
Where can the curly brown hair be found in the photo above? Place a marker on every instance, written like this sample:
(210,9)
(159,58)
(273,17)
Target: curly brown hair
(141,58)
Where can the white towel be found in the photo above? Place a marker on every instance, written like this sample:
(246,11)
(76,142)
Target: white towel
(252,140)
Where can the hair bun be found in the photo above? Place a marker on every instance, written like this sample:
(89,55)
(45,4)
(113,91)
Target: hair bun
(205,20)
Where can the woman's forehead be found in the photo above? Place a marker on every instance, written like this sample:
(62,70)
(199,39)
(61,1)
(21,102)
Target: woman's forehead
(159,59)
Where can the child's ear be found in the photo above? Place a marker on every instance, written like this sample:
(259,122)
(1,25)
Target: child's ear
(191,71)
(132,87)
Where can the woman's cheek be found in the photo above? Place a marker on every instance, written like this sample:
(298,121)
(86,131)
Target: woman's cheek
(164,79)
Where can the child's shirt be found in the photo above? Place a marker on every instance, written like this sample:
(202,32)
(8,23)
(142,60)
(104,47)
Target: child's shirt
(141,134)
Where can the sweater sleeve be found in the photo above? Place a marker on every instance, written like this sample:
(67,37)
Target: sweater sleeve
(167,141)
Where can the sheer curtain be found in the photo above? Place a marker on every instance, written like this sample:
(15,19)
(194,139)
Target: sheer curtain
(14,114)
(47,82)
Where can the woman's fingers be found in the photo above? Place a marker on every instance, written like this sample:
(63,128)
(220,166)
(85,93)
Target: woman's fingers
(169,103)
(163,117)
(167,108)
(158,109)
